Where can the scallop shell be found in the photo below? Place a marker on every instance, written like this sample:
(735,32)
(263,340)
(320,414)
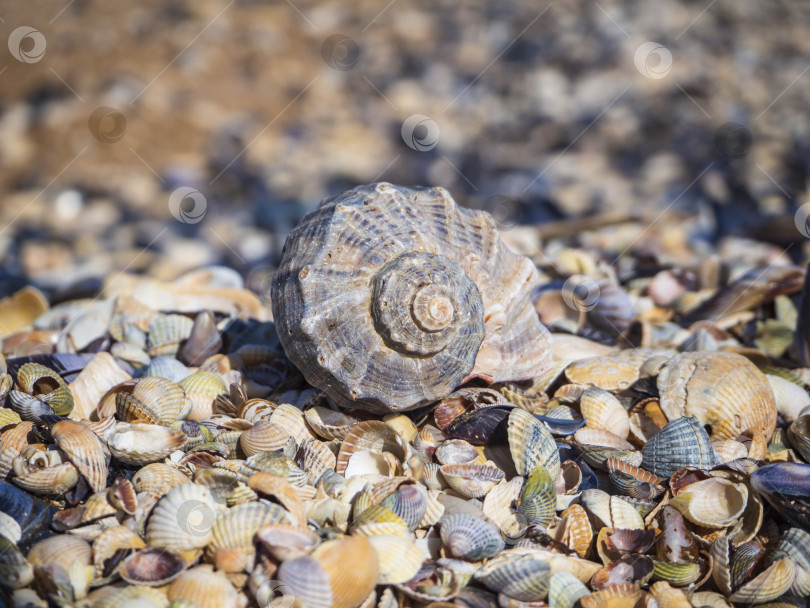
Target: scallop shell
(597,446)
(469,537)
(723,390)
(796,543)
(315,458)
(166,332)
(373,436)
(307,582)
(84,449)
(129,596)
(681,443)
(458,451)
(111,541)
(573,529)
(769,584)
(468,312)
(205,588)
(183,519)
(140,444)
(531,444)
(62,550)
(202,388)
(409,502)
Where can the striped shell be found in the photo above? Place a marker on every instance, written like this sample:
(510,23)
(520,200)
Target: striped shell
(469,537)
(183,519)
(348,268)
(681,443)
(84,449)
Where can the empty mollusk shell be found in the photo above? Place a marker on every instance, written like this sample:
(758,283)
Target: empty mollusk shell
(306,581)
(774,581)
(99,375)
(140,444)
(44,473)
(681,443)
(625,594)
(183,519)
(458,451)
(796,543)
(370,438)
(158,478)
(165,367)
(231,547)
(538,499)
(596,446)
(352,568)
(483,426)
(603,411)
(472,480)
(8,416)
(291,419)
(613,544)
(466,311)
(464,400)
(202,388)
(609,372)
(263,436)
(611,511)
(633,481)
(668,597)
(521,576)
(84,449)
(254,410)
(787,487)
(410,503)
(728,450)
(712,503)
(564,590)
(573,529)
(433,583)
(378,519)
(166,332)
(15,570)
(710,599)
(278,490)
(203,587)
(283,541)
(799,434)
(329,424)
(152,567)
(676,544)
(469,537)
(62,550)
(635,569)
(131,409)
(531,444)
(789,398)
(203,341)
(47,386)
(277,464)
(499,507)
(29,407)
(315,458)
(164,398)
(723,390)
(398,558)
(677,574)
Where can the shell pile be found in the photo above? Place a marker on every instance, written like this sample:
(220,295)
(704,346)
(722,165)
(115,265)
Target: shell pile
(172,448)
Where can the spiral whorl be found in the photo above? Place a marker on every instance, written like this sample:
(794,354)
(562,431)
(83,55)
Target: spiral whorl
(422,303)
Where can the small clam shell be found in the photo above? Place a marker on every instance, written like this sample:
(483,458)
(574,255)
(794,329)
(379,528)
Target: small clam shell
(84,449)
(799,434)
(498,506)
(676,544)
(609,372)
(165,367)
(667,597)
(633,568)
(472,480)
(681,443)
(610,511)
(152,567)
(8,416)
(786,486)
(128,596)
(158,478)
(110,541)
(50,481)
(263,436)
(164,398)
(372,436)
(531,444)
(564,590)
(329,424)
(352,568)
(231,546)
(796,543)
(140,444)
(46,385)
(285,542)
(306,581)
(603,411)
(398,558)
(410,503)
(99,375)
(538,499)
(633,481)
(468,537)
(789,398)
(522,576)
(205,588)
(15,570)
(625,594)
(202,388)
(315,458)
(728,450)
(183,519)
(166,332)
(680,575)
(62,550)
(379,519)
(769,584)
(713,503)
(596,446)
(573,529)
(458,451)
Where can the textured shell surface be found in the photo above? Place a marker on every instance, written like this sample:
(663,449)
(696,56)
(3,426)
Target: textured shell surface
(388,298)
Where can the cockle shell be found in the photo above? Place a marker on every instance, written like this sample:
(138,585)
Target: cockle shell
(469,537)
(84,449)
(522,576)
(140,444)
(681,443)
(713,503)
(231,547)
(183,519)
(723,390)
(204,588)
(388,298)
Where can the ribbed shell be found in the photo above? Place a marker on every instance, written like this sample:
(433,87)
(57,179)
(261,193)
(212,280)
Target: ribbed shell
(140,444)
(388,298)
(723,390)
(524,577)
(84,449)
(183,519)
(470,537)
(234,530)
(205,587)
(681,443)
(531,444)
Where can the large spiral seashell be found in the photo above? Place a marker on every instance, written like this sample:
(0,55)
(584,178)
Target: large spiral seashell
(387,298)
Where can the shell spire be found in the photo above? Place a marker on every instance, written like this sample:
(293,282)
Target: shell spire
(388,298)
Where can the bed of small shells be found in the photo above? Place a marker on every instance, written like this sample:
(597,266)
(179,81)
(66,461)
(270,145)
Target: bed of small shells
(160,450)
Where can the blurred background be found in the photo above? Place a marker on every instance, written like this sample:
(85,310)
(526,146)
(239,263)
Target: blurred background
(160,136)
